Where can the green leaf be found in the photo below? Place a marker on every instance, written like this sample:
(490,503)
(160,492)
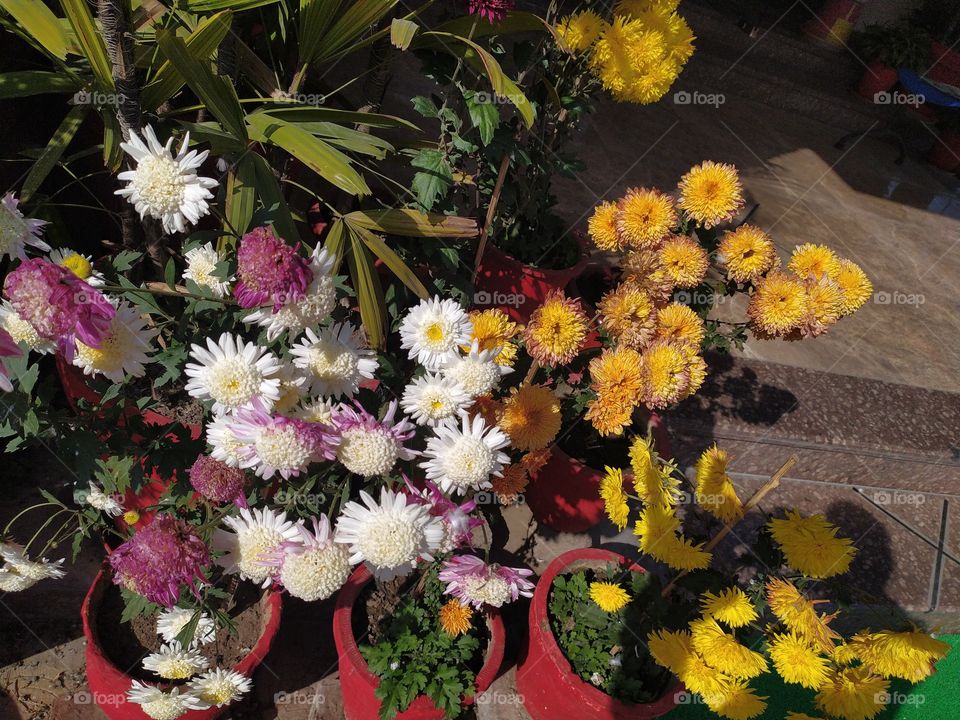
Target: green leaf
(402,32)
(397,266)
(432,178)
(25,83)
(40,23)
(269,191)
(373,312)
(202,6)
(112,137)
(336,243)
(170,274)
(54,150)
(302,114)
(425,106)
(241,196)
(515,22)
(483,115)
(359,18)
(315,19)
(413,223)
(91,42)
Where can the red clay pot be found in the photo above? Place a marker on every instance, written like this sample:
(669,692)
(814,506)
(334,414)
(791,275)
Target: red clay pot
(877,78)
(945,153)
(549,687)
(946,64)
(357,683)
(109,684)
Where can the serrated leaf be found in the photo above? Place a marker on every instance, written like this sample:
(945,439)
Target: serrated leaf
(425,106)
(433,177)
(483,115)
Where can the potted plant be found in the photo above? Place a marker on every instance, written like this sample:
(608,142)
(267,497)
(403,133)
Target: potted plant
(887,49)
(941,22)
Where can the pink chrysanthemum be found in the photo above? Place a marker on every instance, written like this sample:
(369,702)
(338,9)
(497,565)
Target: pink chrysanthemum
(473,582)
(367,446)
(218,481)
(273,444)
(269,271)
(491,10)
(8,348)
(458,522)
(160,558)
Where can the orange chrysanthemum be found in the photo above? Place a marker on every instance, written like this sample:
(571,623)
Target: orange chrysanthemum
(455,618)
(711,193)
(678,323)
(778,305)
(530,416)
(666,374)
(513,481)
(814,261)
(644,269)
(534,460)
(602,227)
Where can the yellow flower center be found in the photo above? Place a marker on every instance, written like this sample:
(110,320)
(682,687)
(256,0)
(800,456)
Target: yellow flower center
(434,332)
(78,265)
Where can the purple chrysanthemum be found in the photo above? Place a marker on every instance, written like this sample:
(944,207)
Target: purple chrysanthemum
(218,481)
(160,558)
(276,444)
(473,582)
(269,271)
(491,10)
(457,519)
(8,348)
(367,446)
(60,306)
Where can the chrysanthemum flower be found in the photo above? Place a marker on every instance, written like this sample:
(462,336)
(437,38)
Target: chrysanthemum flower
(671,649)
(824,305)
(460,458)
(163,704)
(715,491)
(610,413)
(644,269)
(367,446)
(656,529)
(22,332)
(556,330)
(294,385)
(814,261)
(336,360)
(731,607)
(274,444)
(853,694)
(16,231)
(459,521)
(531,417)
(253,540)
(909,655)
(159,558)
(224,445)
(494,330)
(201,268)
(627,312)
(855,286)
(455,618)
(270,272)
(318,410)
(665,368)
(644,217)
(797,661)
(610,597)
(79,265)
(614,498)
(124,348)
(617,377)
(431,399)
(174,662)
(316,567)
(233,373)
(433,331)
(492,10)
(220,687)
(580,30)
(217,481)
(654,484)
(602,227)
(389,536)
(19,572)
(164,186)
(684,260)
(778,304)
(635,61)
(513,480)
(736,701)
(701,677)
(534,461)
(723,651)
(477,372)
(681,325)
(172,621)
(473,582)
(746,253)
(711,193)
(799,614)
(107,504)
(810,545)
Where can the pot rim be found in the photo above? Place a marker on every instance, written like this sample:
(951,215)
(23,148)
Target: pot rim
(538,272)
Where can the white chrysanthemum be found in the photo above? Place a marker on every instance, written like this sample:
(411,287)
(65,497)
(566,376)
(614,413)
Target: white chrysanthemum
(225,446)
(220,687)
(318,410)
(19,563)
(16,231)
(275,443)
(201,268)
(171,621)
(293,386)
(477,372)
(23,332)
(232,372)
(309,311)
(465,456)
(390,536)
(257,535)
(366,452)
(163,704)
(318,568)
(431,399)
(491,590)
(79,265)
(433,331)
(336,360)
(106,504)
(174,662)
(123,350)
(163,186)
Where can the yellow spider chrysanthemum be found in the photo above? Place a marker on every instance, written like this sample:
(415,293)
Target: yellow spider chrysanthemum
(711,193)
(614,498)
(852,694)
(810,545)
(627,312)
(679,324)
(656,529)
(737,702)
(814,261)
(530,416)
(644,270)
(556,330)
(645,217)
(602,227)
(701,677)
(671,649)
(510,484)
(825,302)
(494,329)
(580,31)
(455,618)
(666,374)
(684,261)
(798,661)
(715,491)
(855,287)
(800,716)
(609,596)
(799,614)
(731,607)
(723,652)
(610,414)
(653,484)
(910,655)
(746,253)
(778,305)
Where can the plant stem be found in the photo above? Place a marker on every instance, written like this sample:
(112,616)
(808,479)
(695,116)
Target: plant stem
(157,288)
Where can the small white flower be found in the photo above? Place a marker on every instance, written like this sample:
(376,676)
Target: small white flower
(17,231)
(79,265)
(293,386)
(106,504)
(19,572)
(173,662)
(319,567)
(390,536)
(23,332)
(232,373)
(336,360)
(255,538)
(202,268)
(163,704)
(478,371)
(225,446)
(433,331)
(123,350)
(318,410)
(220,687)
(465,456)
(431,399)
(163,186)
(171,621)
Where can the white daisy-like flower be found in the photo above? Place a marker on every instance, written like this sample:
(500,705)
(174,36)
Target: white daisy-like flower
(123,350)
(163,704)
(23,332)
(318,410)
(367,446)
(256,536)
(477,371)
(173,662)
(390,536)
(202,269)
(224,444)
(171,621)
(300,313)
(220,687)
(16,231)
(232,373)
(106,504)
(293,386)
(431,399)
(319,567)
(336,360)
(164,186)
(461,457)
(16,560)
(433,331)
(79,265)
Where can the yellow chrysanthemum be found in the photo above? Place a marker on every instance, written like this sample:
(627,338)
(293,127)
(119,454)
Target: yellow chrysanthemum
(737,702)
(715,491)
(530,416)
(746,253)
(814,261)
(723,652)
(825,302)
(731,607)
(627,312)
(701,677)
(609,596)
(671,649)
(617,372)
(614,498)
(711,193)
(910,655)
(799,614)
(455,618)
(810,545)
(653,483)
(610,414)
(797,661)
(510,484)
(778,305)
(645,217)
(679,324)
(580,31)
(697,369)
(800,716)
(656,529)
(644,270)
(852,694)
(556,330)
(666,374)
(602,227)
(684,261)
(494,329)
(855,286)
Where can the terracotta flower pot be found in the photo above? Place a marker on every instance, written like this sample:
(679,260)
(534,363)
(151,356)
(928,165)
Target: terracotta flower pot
(357,683)
(946,64)
(109,683)
(550,689)
(877,78)
(945,153)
